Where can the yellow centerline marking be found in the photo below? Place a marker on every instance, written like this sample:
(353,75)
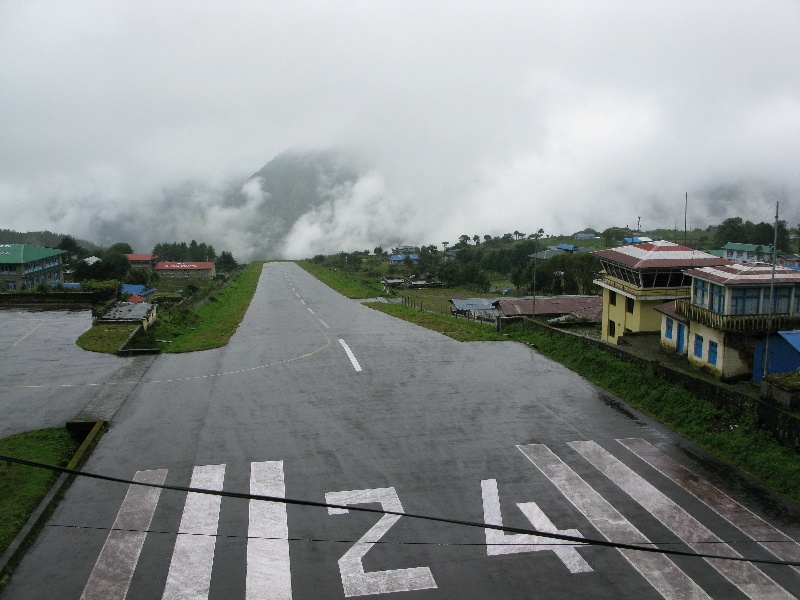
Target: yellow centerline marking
(27,334)
(208,376)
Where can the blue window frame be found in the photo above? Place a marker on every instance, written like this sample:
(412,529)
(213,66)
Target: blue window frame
(700,295)
(745,301)
(698,346)
(668,329)
(712,353)
(717,299)
(783,296)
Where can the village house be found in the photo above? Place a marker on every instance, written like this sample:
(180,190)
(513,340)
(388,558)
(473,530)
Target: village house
(746,253)
(638,277)
(142,261)
(23,265)
(718,327)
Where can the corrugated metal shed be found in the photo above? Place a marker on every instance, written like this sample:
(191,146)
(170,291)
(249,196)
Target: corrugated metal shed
(588,307)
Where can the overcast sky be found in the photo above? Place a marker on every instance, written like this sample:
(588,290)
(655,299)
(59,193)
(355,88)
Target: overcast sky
(475,117)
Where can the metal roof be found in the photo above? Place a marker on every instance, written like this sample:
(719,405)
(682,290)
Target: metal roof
(746,274)
(659,254)
(763,248)
(590,307)
(472,303)
(125,311)
(19,254)
(140,257)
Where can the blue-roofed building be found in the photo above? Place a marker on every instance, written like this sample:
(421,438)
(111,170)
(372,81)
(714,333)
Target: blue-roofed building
(636,240)
(397,259)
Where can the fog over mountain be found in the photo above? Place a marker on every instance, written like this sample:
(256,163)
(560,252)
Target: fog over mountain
(287,129)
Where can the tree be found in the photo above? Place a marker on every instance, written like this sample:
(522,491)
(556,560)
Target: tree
(730,230)
(72,248)
(476,239)
(121,248)
(226,263)
(378,251)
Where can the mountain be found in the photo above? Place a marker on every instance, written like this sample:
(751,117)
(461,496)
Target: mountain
(286,188)
(45,239)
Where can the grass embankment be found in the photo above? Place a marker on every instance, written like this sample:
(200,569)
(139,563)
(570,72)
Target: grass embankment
(347,283)
(738,441)
(211,325)
(21,487)
(182,329)
(105,337)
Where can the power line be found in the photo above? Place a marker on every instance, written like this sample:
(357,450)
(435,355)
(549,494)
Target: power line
(313,503)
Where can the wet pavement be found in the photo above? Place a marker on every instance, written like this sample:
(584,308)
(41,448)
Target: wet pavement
(318,397)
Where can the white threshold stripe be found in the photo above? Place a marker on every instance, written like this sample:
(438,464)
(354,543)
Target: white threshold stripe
(664,575)
(268,572)
(324,324)
(193,557)
(745,576)
(779,544)
(113,571)
(350,355)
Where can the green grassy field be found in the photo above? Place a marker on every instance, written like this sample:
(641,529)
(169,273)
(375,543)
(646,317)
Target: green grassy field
(347,283)
(105,337)
(21,487)
(211,325)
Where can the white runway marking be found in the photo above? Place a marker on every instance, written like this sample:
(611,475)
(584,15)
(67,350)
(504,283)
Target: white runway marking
(189,574)
(357,582)
(499,542)
(268,573)
(780,544)
(324,324)
(311,311)
(303,302)
(112,573)
(350,355)
(663,574)
(745,576)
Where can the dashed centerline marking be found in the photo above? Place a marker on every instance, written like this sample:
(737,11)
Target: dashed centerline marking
(324,324)
(350,355)
(311,311)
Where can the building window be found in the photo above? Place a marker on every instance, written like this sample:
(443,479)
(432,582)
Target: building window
(783,296)
(717,299)
(700,293)
(629,305)
(612,298)
(745,301)
(712,353)
(730,253)
(612,329)
(698,346)
(668,329)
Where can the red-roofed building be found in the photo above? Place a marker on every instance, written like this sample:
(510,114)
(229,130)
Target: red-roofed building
(553,307)
(142,261)
(728,312)
(638,277)
(202,270)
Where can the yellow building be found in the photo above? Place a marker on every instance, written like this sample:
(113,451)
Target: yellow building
(637,278)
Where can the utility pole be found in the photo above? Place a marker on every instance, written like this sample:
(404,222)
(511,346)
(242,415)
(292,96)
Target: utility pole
(765,358)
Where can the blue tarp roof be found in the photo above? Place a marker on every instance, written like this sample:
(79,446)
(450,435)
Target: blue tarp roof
(139,290)
(403,256)
(792,338)
(567,247)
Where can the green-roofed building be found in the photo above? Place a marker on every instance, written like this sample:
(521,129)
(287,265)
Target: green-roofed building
(23,265)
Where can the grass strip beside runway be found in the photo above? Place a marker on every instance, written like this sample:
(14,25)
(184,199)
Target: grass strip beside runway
(22,488)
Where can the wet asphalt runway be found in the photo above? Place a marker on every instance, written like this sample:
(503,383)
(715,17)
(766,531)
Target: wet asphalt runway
(318,397)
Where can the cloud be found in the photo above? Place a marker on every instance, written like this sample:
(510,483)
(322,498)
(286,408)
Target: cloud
(473,118)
